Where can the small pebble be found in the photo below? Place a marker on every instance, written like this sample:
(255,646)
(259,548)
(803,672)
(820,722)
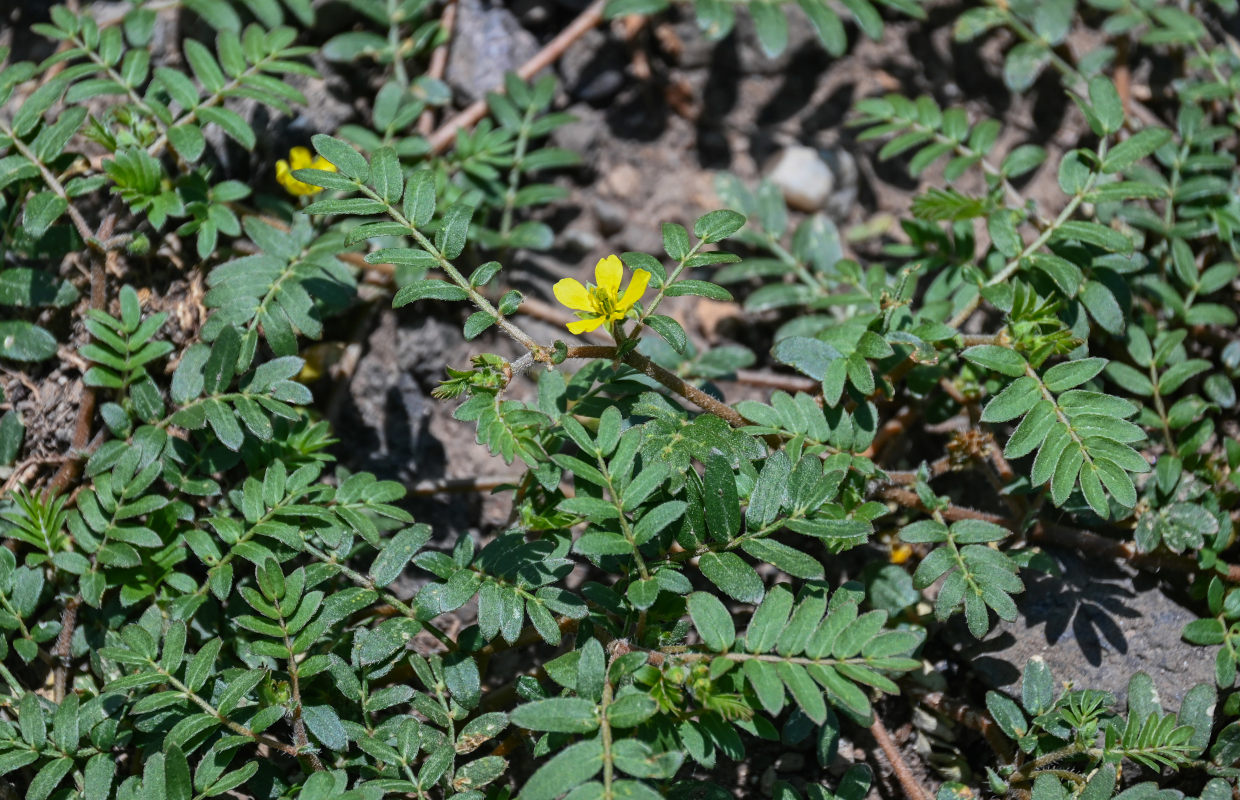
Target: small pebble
(767,784)
(805,180)
(846,179)
(623,180)
(611,217)
(579,240)
(488,42)
(593,68)
(532,12)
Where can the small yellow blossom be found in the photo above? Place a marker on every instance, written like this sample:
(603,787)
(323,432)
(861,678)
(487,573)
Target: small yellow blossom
(602,304)
(300,158)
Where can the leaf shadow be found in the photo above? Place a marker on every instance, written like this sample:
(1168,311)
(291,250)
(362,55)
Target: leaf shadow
(1082,604)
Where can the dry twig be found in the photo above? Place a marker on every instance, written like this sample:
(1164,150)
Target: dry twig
(441,139)
(439,62)
(908,782)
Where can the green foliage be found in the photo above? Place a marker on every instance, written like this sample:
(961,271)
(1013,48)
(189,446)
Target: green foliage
(716,18)
(195,601)
(1078,734)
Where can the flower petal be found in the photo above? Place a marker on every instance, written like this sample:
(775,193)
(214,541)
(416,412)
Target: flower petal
(608,273)
(637,288)
(585,325)
(323,164)
(300,158)
(572,294)
(285,179)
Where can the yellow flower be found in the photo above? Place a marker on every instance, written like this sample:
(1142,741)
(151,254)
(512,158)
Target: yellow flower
(300,158)
(602,304)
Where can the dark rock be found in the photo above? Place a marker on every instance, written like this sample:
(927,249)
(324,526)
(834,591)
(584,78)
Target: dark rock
(641,237)
(1095,624)
(391,411)
(611,217)
(577,241)
(488,42)
(582,135)
(593,68)
(324,109)
(844,170)
(533,13)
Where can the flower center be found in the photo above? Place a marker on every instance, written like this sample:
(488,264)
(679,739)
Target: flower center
(604,302)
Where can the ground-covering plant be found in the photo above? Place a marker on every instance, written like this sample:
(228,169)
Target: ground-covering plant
(196,601)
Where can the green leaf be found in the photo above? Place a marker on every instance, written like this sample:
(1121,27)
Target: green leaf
(392,560)
(48,778)
(98,776)
(1002,228)
(454,230)
(771,26)
(230,122)
(1007,715)
(572,766)
(676,241)
(559,715)
(867,17)
(480,730)
(1095,234)
(803,690)
(345,158)
(1141,144)
(631,710)
(221,364)
(187,139)
(478,322)
(178,784)
(346,205)
(1016,399)
(422,290)
(1102,785)
(1023,65)
(11,433)
(1072,374)
(768,620)
(1102,306)
(30,718)
(25,341)
(1106,104)
(718,225)
(712,620)
(700,289)
(41,210)
(722,504)
(811,356)
(386,175)
(1003,360)
(619,8)
(732,576)
(420,198)
(1037,687)
(827,25)
(670,330)
(324,723)
(1052,19)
